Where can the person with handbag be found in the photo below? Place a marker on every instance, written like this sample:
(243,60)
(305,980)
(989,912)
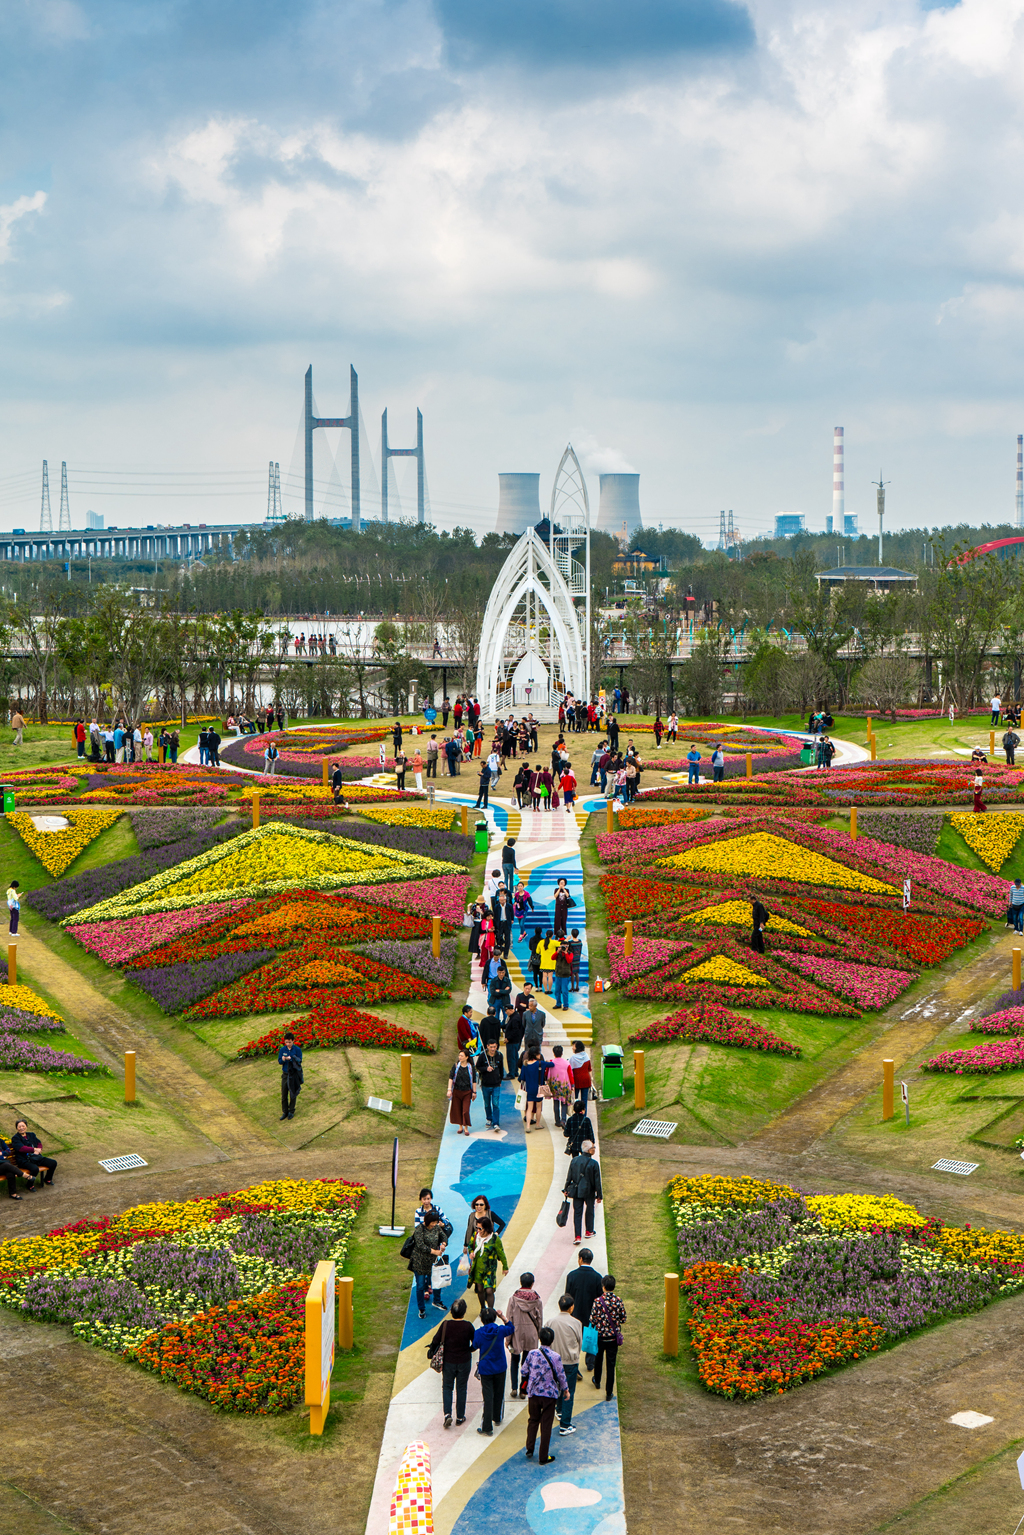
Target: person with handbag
(526,1312)
(559,1079)
(489,1341)
(514,1029)
(428,1245)
(568,1336)
(545,1383)
(289,1058)
(563,976)
(531,1074)
(577,1130)
(607,1315)
(582,1072)
(483,1264)
(583,1187)
(461,1091)
(450,1352)
(480,1207)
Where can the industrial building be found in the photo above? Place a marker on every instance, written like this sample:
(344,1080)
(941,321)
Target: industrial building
(518,502)
(618,511)
(881,578)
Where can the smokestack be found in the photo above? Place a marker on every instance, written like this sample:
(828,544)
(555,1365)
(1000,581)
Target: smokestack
(518,502)
(1020,481)
(619,507)
(838,496)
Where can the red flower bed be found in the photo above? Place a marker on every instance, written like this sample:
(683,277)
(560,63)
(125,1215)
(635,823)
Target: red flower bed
(327,1026)
(636,897)
(747,1348)
(280,987)
(927,940)
(248,1356)
(713,1024)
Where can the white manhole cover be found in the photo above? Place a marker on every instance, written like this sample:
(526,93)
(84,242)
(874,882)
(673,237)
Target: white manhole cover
(951,1165)
(50,822)
(122,1164)
(661,1128)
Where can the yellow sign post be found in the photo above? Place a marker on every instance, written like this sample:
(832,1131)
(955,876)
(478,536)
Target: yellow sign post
(407,1081)
(671,1340)
(627,942)
(750,765)
(888,1083)
(255,811)
(12,964)
(129,1076)
(609,816)
(319,1345)
(435,937)
(1016,970)
(465,821)
(639,1083)
(853,823)
(346,1314)
(326,766)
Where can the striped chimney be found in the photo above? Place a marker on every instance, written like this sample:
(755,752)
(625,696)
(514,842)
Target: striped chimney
(838,496)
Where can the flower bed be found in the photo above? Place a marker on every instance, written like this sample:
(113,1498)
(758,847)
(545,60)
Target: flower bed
(444,896)
(992,837)
(639,817)
(18,1020)
(156,827)
(300,978)
(117,942)
(761,853)
(724,972)
(417,958)
(437,819)
(57,849)
(627,896)
(23,1055)
(867,985)
(980,1060)
(783,1287)
(1009,1021)
(648,954)
(27,1000)
(203,1291)
(920,833)
(328,1025)
(176,987)
(926,940)
(444,846)
(712,1024)
(67,897)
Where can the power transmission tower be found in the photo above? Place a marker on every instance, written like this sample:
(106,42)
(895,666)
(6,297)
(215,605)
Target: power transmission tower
(721,531)
(64,517)
(45,515)
(275,509)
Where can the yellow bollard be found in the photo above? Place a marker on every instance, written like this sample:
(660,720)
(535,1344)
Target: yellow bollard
(671,1341)
(326,765)
(609,823)
(129,1076)
(888,1075)
(346,1315)
(750,765)
(435,937)
(627,946)
(991,743)
(255,811)
(870,731)
(1016,970)
(407,1081)
(639,1085)
(873,748)
(12,964)
(853,823)
(465,821)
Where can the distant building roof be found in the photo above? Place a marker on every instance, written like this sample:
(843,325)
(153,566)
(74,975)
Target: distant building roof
(875,575)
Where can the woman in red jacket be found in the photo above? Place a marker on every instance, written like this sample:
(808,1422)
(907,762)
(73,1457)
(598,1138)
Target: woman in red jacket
(582,1076)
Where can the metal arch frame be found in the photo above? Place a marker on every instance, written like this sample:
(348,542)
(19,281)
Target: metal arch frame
(518,578)
(570,489)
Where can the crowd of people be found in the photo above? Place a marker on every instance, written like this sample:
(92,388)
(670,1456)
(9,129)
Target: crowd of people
(123,741)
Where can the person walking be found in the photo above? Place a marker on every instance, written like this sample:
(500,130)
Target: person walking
(270,756)
(484,788)
(531,1074)
(417,767)
(563,901)
(607,1314)
(534,1020)
(1011,740)
(18,726)
(577,1130)
(401,762)
(14,905)
(526,1313)
(1017,906)
(544,1378)
(559,1080)
(979,784)
(692,763)
(500,989)
(584,1285)
(428,1244)
(547,949)
(489,1341)
(483,1265)
(562,978)
(478,1210)
(582,1072)
(759,916)
(490,1071)
(718,763)
(289,1058)
(508,863)
(79,735)
(432,750)
(454,1338)
(583,1187)
(997,704)
(568,1341)
(501,910)
(461,1091)
(514,1030)
(522,904)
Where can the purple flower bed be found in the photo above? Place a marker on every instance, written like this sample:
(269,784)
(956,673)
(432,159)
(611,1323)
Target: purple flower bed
(157,827)
(19,1055)
(237,756)
(209,1274)
(451,846)
(919,832)
(14,1020)
(66,896)
(416,958)
(738,1233)
(293,1245)
(985,892)
(68,1298)
(175,987)
(1003,1003)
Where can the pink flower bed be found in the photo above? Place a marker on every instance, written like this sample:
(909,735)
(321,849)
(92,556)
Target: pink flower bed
(1009,1021)
(867,985)
(120,940)
(985,892)
(649,840)
(647,954)
(1003,1055)
(443,897)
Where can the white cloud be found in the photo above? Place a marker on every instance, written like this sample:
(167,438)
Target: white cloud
(10,213)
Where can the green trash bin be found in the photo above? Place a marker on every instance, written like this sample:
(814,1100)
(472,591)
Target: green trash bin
(8,793)
(611,1071)
(483,838)
(807,756)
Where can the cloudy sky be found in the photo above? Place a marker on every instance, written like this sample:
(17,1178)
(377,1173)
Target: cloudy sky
(691,235)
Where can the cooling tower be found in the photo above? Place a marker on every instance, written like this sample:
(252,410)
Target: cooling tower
(518,502)
(620,504)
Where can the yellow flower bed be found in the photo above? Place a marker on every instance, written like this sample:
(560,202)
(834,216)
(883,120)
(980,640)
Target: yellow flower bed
(726,971)
(736,1193)
(287,789)
(57,849)
(410,815)
(980,1246)
(25,998)
(738,913)
(762,854)
(845,1212)
(268,860)
(992,837)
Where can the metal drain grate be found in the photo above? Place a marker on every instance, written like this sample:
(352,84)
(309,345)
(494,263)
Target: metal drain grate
(382,1105)
(661,1128)
(951,1165)
(122,1164)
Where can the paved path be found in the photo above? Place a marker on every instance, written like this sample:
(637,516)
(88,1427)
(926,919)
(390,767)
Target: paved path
(483,1484)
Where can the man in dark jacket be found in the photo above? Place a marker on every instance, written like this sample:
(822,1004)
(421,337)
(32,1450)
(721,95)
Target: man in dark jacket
(484,787)
(514,1039)
(289,1058)
(490,1071)
(489,1029)
(1011,740)
(583,1187)
(534,1020)
(577,1130)
(214,747)
(584,1284)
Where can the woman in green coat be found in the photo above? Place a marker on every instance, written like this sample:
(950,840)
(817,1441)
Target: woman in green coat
(483,1267)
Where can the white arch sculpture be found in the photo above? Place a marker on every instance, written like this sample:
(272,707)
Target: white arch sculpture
(530,589)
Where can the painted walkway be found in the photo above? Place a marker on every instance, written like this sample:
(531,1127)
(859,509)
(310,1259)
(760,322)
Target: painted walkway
(483,1485)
